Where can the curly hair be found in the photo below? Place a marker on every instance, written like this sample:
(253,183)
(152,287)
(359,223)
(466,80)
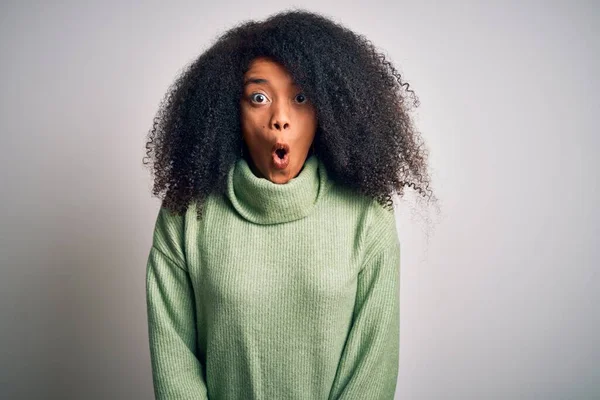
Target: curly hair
(365,136)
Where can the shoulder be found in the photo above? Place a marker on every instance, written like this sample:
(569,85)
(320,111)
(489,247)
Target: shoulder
(170,231)
(380,217)
(371,214)
(381,233)
(373,225)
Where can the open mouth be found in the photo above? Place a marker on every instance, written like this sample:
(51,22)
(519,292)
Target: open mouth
(280,152)
(281,149)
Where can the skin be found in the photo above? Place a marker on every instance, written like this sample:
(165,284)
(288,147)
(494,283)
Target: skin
(273,108)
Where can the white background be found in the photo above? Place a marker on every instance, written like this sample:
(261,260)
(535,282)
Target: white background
(500,303)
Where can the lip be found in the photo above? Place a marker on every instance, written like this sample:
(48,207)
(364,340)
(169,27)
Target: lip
(280,163)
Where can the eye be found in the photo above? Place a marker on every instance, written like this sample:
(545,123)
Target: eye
(258,98)
(301,98)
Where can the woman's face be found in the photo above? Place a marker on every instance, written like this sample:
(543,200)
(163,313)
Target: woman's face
(278,121)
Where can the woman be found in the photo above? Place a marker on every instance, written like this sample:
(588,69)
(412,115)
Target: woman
(274,267)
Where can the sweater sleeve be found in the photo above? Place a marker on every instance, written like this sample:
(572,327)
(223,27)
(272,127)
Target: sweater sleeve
(368,367)
(176,370)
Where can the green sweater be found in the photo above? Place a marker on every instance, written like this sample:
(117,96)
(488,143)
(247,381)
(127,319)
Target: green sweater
(280,291)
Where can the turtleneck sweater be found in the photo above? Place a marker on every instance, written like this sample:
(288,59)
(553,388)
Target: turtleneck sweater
(279,291)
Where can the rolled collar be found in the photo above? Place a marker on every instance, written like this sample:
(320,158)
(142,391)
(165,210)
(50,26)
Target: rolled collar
(263,202)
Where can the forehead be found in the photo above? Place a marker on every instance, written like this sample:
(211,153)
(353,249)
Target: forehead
(269,70)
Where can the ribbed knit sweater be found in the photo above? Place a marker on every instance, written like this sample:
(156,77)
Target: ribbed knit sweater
(280,291)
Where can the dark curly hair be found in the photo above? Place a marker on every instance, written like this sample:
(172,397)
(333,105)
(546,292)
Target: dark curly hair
(365,136)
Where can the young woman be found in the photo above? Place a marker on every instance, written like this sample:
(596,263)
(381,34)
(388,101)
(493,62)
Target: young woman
(274,270)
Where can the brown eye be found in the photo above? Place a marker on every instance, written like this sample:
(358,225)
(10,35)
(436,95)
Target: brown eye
(301,98)
(258,98)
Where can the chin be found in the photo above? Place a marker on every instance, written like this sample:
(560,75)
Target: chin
(280,178)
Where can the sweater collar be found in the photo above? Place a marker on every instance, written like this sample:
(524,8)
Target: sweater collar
(263,202)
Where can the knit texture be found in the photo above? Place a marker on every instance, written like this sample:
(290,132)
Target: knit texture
(280,291)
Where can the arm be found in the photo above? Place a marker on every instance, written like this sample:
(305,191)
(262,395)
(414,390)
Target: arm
(368,367)
(176,370)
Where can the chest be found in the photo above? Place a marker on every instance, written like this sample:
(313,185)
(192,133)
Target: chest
(248,266)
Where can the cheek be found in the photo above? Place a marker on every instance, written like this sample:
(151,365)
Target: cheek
(252,120)
(253,127)
(309,121)
(247,122)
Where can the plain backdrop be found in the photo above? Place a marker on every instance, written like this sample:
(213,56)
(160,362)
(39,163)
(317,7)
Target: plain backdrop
(501,301)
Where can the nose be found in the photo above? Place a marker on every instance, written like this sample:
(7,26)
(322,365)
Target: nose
(280,119)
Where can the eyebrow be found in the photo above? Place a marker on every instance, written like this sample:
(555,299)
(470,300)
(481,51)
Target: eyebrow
(255,80)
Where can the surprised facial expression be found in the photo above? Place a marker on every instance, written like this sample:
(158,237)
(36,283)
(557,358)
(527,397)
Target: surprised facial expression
(278,121)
